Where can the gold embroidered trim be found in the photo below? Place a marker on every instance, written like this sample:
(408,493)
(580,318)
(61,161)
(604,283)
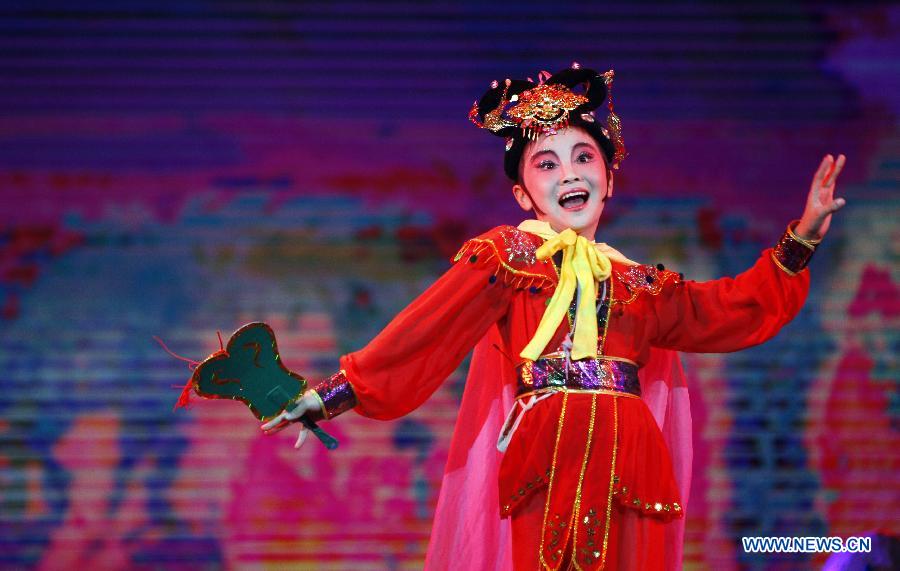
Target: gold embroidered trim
(612,474)
(511,276)
(811,244)
(606,327)
(663,278)
(559,427)
(561,355)
(576,509)
(577,391)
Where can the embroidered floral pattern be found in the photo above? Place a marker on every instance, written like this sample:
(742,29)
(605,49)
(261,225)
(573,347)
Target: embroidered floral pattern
(644,278)
(520,247)
(665,510)
(524,492)
(513,253)
(555,536)
(591,552)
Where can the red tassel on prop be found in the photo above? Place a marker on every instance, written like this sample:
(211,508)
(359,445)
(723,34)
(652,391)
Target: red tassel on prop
(184,400)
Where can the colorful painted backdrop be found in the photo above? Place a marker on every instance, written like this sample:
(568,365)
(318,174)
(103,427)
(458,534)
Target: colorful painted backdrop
(175,169)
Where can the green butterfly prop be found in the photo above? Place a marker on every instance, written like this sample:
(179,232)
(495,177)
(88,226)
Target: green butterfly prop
(249,369)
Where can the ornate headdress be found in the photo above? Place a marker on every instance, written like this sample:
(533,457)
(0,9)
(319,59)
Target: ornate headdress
(521,110)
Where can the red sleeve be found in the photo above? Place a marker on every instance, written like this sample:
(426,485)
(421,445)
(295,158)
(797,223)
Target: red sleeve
(728,314)
(405,363)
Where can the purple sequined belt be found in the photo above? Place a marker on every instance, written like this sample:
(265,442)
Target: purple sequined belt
(549,372)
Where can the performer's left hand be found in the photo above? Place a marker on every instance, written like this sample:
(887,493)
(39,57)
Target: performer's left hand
(305,404)
(821,204)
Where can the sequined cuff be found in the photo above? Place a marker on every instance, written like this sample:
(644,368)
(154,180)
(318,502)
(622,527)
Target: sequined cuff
(792,253)
(336,396)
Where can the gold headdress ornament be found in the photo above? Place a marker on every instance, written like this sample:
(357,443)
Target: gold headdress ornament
(613,123)
(545,108)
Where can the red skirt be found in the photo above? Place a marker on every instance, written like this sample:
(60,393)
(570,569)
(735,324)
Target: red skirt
(586,452)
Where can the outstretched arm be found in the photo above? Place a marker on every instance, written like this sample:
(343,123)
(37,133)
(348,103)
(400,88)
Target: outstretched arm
(405,363)
(730,314)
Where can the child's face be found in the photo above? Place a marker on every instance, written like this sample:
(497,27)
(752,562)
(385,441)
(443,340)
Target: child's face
(566,181)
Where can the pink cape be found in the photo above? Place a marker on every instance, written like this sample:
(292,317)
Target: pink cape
(467,532)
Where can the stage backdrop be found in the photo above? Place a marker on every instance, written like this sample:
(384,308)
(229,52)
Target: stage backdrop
(174,169)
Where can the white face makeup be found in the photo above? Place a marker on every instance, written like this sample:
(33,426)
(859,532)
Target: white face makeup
(565,179)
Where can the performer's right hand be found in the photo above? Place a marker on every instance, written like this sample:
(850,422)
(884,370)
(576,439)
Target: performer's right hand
(820,202)
(308,403)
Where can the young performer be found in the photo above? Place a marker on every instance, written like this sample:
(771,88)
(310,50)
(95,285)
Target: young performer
(572,446)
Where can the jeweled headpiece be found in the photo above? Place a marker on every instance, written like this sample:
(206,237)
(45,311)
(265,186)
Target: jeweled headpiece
(522,110)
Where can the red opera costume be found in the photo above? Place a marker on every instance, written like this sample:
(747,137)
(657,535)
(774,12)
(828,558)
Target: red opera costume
(585,461)
(572,448)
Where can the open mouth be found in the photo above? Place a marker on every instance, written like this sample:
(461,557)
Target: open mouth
(574,199)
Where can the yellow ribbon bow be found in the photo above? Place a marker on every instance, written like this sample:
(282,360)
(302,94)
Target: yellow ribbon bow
(583,266)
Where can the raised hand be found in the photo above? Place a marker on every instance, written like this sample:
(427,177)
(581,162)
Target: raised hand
(821,204)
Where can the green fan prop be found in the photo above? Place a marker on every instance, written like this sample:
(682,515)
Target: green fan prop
(249,369)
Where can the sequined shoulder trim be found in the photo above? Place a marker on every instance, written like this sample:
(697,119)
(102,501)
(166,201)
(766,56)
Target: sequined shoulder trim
(513,251)
(644,279)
